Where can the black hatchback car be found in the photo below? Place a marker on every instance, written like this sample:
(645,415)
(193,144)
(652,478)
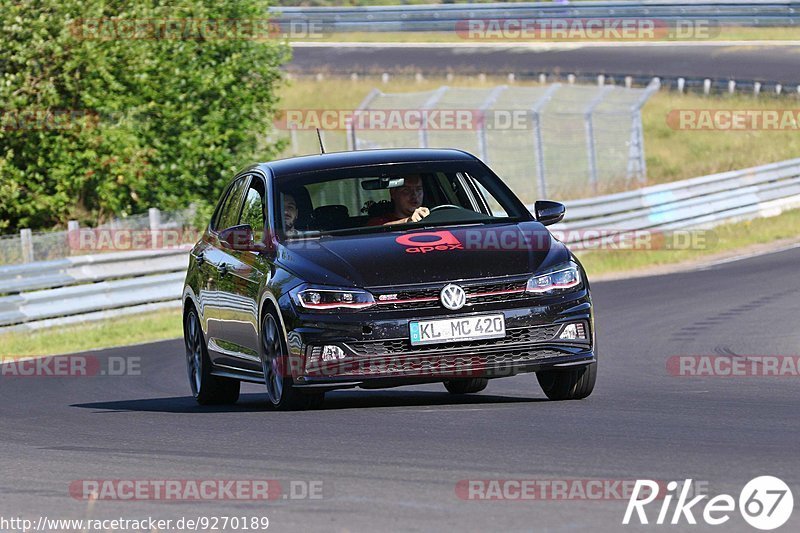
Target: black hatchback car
(382,268)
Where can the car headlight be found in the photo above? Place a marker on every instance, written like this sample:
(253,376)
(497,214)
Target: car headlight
(560,279)
(328,299)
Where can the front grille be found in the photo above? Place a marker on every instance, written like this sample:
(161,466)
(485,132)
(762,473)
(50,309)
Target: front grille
(514,336)
(413,299)
(494,363)
(492,287)
(477,293)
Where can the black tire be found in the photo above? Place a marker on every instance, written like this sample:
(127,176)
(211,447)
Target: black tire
(466,386)
(281,392)
(573,384)
(207,389)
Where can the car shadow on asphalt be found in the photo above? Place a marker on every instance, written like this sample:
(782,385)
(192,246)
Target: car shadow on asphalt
(337,400)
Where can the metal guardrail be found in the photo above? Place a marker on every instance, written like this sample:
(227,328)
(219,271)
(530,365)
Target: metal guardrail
(57,292)
(443,17)
(50,293)
(695,203)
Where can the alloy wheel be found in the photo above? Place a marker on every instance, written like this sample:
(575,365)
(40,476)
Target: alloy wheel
(194,352)
(271,360)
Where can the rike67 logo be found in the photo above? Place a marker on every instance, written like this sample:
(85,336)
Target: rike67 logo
(765,502)
(433,241)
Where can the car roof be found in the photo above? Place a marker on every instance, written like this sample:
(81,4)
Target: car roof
(358,158)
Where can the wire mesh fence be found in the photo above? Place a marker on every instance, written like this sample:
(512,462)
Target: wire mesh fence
(10,249)
(118,234)
(559,140)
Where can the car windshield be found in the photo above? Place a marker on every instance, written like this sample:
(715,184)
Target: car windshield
(377,198)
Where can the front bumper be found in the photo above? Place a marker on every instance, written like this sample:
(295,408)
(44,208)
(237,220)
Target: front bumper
(376,350)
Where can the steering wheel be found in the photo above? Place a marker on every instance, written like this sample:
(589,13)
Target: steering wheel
(444,206)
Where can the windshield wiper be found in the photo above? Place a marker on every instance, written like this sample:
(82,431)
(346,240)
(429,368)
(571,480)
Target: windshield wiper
(415,225)
(363,229)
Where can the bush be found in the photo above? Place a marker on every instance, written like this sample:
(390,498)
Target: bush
(101,117)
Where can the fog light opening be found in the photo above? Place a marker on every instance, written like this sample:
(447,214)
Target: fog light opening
(573,332)
(332,353)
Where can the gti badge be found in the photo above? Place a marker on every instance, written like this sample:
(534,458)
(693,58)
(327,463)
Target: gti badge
(453,297)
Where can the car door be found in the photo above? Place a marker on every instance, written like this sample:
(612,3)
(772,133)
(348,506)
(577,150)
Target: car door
(246,271)
(215,299)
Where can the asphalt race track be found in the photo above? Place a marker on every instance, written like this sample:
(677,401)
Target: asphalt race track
(743,62)
(390,460)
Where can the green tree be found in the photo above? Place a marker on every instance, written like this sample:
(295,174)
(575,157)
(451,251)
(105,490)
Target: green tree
(109,107)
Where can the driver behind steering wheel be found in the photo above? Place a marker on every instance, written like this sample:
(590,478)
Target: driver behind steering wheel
(407,203)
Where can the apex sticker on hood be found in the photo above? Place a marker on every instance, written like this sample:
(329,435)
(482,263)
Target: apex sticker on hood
(432,241)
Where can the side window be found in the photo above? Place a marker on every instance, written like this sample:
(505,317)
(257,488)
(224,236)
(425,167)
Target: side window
(228,214)
(455,191)
(253,210)
(494,205)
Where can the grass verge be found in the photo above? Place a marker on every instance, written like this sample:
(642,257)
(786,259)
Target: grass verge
(719,241)
(133,329)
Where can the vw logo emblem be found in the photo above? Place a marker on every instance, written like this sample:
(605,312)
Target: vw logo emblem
(453,297)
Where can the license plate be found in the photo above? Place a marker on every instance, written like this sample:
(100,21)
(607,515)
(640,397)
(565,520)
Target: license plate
(467,328)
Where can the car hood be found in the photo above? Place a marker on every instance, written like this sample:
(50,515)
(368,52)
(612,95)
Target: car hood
(422,256)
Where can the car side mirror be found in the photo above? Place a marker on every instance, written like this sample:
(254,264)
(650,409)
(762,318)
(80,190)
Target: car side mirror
(548,212)
(240,238)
